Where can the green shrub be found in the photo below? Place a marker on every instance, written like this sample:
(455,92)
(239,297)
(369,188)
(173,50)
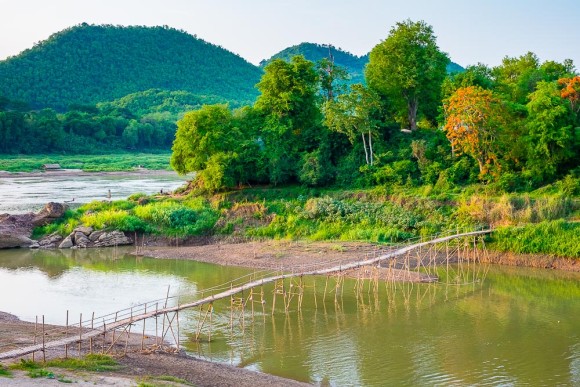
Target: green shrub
(182,217)
(104,219)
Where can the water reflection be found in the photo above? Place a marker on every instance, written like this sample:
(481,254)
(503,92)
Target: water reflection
(519,326)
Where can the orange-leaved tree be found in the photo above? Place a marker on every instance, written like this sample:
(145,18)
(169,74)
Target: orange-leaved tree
(475,119)
(571,91)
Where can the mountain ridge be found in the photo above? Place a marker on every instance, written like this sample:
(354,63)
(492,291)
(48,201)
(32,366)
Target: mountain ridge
(88,64)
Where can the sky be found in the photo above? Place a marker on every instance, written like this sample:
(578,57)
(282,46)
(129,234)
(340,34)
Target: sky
(470,31)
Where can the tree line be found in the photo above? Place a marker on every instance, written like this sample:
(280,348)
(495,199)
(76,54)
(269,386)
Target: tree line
(514,125)
(137,122)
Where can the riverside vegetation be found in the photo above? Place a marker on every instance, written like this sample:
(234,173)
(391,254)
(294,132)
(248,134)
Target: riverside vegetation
(318,157)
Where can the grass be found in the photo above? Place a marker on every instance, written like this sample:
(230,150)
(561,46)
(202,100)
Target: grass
(89,163)
(559,237)
(4,372)
(374,215)
(94,362)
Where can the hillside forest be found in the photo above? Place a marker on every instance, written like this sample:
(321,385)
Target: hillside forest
(410,122)
(515,126)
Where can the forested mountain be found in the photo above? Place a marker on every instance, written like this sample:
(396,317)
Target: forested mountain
(315,52)
(353,64)
(87,64)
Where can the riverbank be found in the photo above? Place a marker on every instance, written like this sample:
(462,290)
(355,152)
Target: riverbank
(135,367)
(296,255)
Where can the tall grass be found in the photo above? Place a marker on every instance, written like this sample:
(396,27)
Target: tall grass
(515,209)
(559,237)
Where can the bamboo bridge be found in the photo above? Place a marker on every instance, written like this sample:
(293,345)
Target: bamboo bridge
(94,331)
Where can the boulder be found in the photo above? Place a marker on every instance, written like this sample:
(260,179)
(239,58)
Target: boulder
(95,235)
(113,238)
(50,212)
(67,243)
(15,230)
(81,240)
(10,241)
(85,230)
(50,241)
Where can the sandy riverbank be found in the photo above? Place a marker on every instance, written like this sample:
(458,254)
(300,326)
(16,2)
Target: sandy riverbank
(290,256)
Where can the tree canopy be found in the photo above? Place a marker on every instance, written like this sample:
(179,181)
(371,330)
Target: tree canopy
(408,68)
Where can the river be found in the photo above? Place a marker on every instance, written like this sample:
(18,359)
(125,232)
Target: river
(517,326)
(20,194)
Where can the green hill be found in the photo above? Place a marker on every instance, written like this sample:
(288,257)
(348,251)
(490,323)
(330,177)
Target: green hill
(315,52)
(354,64)
(87,64)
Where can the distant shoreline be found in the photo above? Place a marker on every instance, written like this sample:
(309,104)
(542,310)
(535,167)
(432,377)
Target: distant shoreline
(80,172)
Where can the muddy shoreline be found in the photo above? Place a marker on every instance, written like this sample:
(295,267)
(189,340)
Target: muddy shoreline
(134,366)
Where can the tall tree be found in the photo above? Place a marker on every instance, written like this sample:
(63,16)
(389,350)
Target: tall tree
(200,135)
(409,68)
(353,115)
(550,136)
(571,92)
(475,119)
(332,76)
(292,119)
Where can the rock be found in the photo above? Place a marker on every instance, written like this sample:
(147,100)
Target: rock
(50,212)
(34,245)
(11,241)
(50,241)
(67,243)
(95,235)
(113,238)
(85,230)
(81,240)
(15,230)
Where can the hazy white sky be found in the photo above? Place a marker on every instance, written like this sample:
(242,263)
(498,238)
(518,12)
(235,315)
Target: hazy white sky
(470,31)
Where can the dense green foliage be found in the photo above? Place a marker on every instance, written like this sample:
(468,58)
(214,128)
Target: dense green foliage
(354,65)
(294,133)
(408,69)
(125,124)
(87,64)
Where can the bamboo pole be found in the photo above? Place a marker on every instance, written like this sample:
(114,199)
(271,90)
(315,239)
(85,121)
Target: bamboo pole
(66,333)
(35,333)
(91,339)
(80,333)
(43,342)
(143,335)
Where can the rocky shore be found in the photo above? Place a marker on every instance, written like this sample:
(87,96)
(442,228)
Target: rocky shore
(16,231)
